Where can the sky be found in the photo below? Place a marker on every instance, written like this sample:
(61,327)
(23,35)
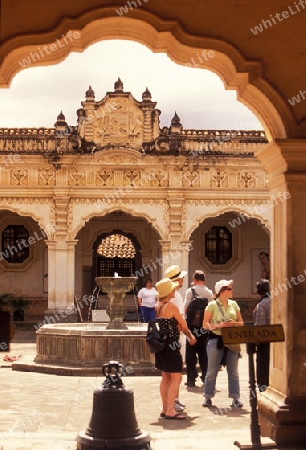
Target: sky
(38,94)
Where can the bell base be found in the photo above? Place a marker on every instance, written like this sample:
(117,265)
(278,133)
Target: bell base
(141,442)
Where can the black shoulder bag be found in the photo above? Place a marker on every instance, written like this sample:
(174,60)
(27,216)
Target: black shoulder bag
(155,340)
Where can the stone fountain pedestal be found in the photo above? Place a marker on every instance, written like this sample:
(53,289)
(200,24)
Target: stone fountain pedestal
(82,348)
(116,289)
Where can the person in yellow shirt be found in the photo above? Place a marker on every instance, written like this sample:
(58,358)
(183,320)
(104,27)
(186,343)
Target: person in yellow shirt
(220,313)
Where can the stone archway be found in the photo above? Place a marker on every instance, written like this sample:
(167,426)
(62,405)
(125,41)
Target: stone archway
(144,237)
(225,60)
(284,160)
(245,238)
(23,260)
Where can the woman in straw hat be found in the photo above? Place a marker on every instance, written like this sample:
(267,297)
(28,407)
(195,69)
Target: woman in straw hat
(169,360)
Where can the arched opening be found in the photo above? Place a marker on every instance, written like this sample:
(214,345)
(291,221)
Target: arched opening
(235,71)
(116,242)
(23,261)
(241,261)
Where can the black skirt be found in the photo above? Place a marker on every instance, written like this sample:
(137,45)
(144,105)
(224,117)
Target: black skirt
(170,359)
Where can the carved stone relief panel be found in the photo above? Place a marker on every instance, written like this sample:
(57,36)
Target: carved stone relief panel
(246,179)
(146,177)
(117,159)
(105,178)
(46,177)
(76,178)
(118,122)
(132,177)
(219,179)
(159,178)
(191,179)
(19,177)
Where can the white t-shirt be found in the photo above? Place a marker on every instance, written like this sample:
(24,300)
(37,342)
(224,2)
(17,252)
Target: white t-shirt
(201,290)
(148,297)
(177,300)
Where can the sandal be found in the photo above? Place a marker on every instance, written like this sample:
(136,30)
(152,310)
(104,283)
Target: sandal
(162,415)
(177,416)
(11,358)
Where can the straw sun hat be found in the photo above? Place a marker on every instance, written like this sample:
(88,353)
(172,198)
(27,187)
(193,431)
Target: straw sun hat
(174,273)
(165,287)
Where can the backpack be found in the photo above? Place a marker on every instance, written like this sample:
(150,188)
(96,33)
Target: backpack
(195,311)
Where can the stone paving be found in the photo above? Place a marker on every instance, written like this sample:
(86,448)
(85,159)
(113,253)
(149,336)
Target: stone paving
(46,412)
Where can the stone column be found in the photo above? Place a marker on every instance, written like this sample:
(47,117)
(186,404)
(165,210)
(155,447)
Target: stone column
(282,408)
(186,246)
(61,282)
(165,257)
(175,256)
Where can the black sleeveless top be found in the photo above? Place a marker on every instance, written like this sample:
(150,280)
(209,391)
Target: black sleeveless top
(169,327)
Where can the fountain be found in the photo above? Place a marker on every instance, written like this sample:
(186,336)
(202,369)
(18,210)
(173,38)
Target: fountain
(116,289)
(82,348)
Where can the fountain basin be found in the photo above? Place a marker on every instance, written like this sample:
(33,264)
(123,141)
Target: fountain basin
(82,349)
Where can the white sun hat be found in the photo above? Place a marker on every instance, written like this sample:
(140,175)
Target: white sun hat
(222,283)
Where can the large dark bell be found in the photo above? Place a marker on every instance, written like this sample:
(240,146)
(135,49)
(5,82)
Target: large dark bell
(113,424)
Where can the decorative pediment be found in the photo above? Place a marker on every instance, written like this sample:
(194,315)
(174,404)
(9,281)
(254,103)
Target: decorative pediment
(118,120)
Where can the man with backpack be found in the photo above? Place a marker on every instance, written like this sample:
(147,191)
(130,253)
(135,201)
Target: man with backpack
(196,300)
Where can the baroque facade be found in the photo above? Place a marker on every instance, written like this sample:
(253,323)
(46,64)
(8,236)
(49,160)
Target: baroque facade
(65,189)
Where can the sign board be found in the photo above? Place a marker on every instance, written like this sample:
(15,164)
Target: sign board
(253,334)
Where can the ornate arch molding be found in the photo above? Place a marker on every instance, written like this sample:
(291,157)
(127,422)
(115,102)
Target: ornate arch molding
(18,209)
(241,211)
(159,35)
(112,208)
(127,155)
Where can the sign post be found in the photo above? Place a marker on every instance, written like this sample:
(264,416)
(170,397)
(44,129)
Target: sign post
(252,335)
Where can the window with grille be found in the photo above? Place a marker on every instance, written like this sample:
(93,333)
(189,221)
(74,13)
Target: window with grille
(107,267)
(218,245)
(15,244)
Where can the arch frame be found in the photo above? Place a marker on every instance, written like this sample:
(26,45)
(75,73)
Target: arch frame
(159,35)
(84,217)
(30,209)
(241,210)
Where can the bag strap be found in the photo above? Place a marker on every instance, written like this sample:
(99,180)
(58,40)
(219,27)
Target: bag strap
(222,313)
(194,293)
(161,308)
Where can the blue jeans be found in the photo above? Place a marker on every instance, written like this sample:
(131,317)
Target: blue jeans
(214,356)
(147,314)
